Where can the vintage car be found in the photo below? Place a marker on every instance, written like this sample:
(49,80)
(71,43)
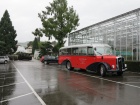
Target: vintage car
(50,59)
(94,57)
(42,59)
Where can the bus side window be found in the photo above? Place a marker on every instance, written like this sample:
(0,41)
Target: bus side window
(75,51)
(83,51)
(90,51)
(69,51)
(64,52)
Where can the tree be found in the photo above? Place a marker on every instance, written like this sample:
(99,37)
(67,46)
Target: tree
(7,34)
(2,48)
(30,43)
(35,45)
(56,49)
(46,48)
(58,20)
(37,32)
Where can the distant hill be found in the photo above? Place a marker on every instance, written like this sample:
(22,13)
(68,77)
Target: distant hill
(24,44)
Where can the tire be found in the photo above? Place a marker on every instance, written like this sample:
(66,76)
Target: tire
(68,66)
(5,62)
(45,62)
(102,71)
(82,70)
(42,61)
(119,73)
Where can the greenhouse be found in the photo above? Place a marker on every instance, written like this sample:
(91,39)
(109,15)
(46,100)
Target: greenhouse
(121,32)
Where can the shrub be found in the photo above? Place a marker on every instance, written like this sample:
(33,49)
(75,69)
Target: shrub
(133,66)
(22,56)
(13,57)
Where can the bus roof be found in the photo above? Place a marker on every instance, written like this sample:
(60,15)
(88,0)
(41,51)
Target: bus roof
(85,45)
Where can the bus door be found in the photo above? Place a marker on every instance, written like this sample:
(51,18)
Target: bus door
(86,57)
(74,56)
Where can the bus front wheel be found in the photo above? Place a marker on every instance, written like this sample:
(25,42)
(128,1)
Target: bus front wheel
(102,70)
(68,66)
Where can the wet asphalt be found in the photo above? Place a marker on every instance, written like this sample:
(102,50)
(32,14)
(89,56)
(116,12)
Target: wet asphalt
(33,83)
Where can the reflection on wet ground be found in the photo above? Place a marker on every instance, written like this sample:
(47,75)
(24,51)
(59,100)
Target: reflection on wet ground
(57,86)
(13,89)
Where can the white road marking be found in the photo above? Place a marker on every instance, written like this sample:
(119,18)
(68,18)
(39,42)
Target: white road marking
(133,72)
(38,97)
(13,77)
(132,76)
(131,82)
(16,97)
(12,84)
(8,73)
(10,77)
(108,80)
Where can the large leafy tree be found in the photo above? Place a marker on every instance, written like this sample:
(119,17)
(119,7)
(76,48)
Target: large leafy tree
(35,45)
(7,34)
(45,48)
(30,43)
(58,20)
(56,49)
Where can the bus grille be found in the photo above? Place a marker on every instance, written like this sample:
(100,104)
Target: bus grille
(120,62)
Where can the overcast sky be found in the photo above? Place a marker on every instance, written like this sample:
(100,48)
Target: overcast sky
(24,13)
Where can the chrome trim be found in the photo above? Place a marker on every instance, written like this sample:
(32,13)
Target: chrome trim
(124,68)
(112,70)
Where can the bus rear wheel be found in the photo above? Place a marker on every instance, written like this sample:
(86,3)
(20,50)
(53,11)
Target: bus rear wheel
(68,66)
(102,71)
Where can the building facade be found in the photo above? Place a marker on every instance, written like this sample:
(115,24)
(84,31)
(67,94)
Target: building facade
(121,32)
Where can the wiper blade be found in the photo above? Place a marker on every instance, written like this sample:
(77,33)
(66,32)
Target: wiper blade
(99,53)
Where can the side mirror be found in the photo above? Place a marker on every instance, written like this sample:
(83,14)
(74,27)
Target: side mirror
(95,48)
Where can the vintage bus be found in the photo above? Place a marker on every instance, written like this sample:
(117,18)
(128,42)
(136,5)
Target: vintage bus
(93,57)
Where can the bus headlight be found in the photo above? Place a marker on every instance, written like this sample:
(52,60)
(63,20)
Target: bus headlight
(125,65)
(113,66)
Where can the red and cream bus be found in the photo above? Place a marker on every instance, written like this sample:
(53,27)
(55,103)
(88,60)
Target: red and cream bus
(93,57)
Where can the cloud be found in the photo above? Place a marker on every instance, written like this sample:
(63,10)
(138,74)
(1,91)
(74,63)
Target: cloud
(24,13)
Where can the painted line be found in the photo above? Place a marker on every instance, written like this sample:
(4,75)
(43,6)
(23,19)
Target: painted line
(133,72)
(131,82)
(16,97)
(131,76)
(12,84)
(38,97)
(11,77)
(8,73)
(109,80)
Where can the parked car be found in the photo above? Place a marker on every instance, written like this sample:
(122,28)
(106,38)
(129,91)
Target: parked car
(4,59)
(42,59)
(50,59)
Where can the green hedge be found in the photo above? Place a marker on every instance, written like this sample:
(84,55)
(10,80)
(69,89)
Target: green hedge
(13,57)
(133,66)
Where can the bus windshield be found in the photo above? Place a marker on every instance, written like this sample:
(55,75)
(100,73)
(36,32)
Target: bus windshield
(103,51)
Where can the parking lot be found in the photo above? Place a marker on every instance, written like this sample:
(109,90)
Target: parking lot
(33,83)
